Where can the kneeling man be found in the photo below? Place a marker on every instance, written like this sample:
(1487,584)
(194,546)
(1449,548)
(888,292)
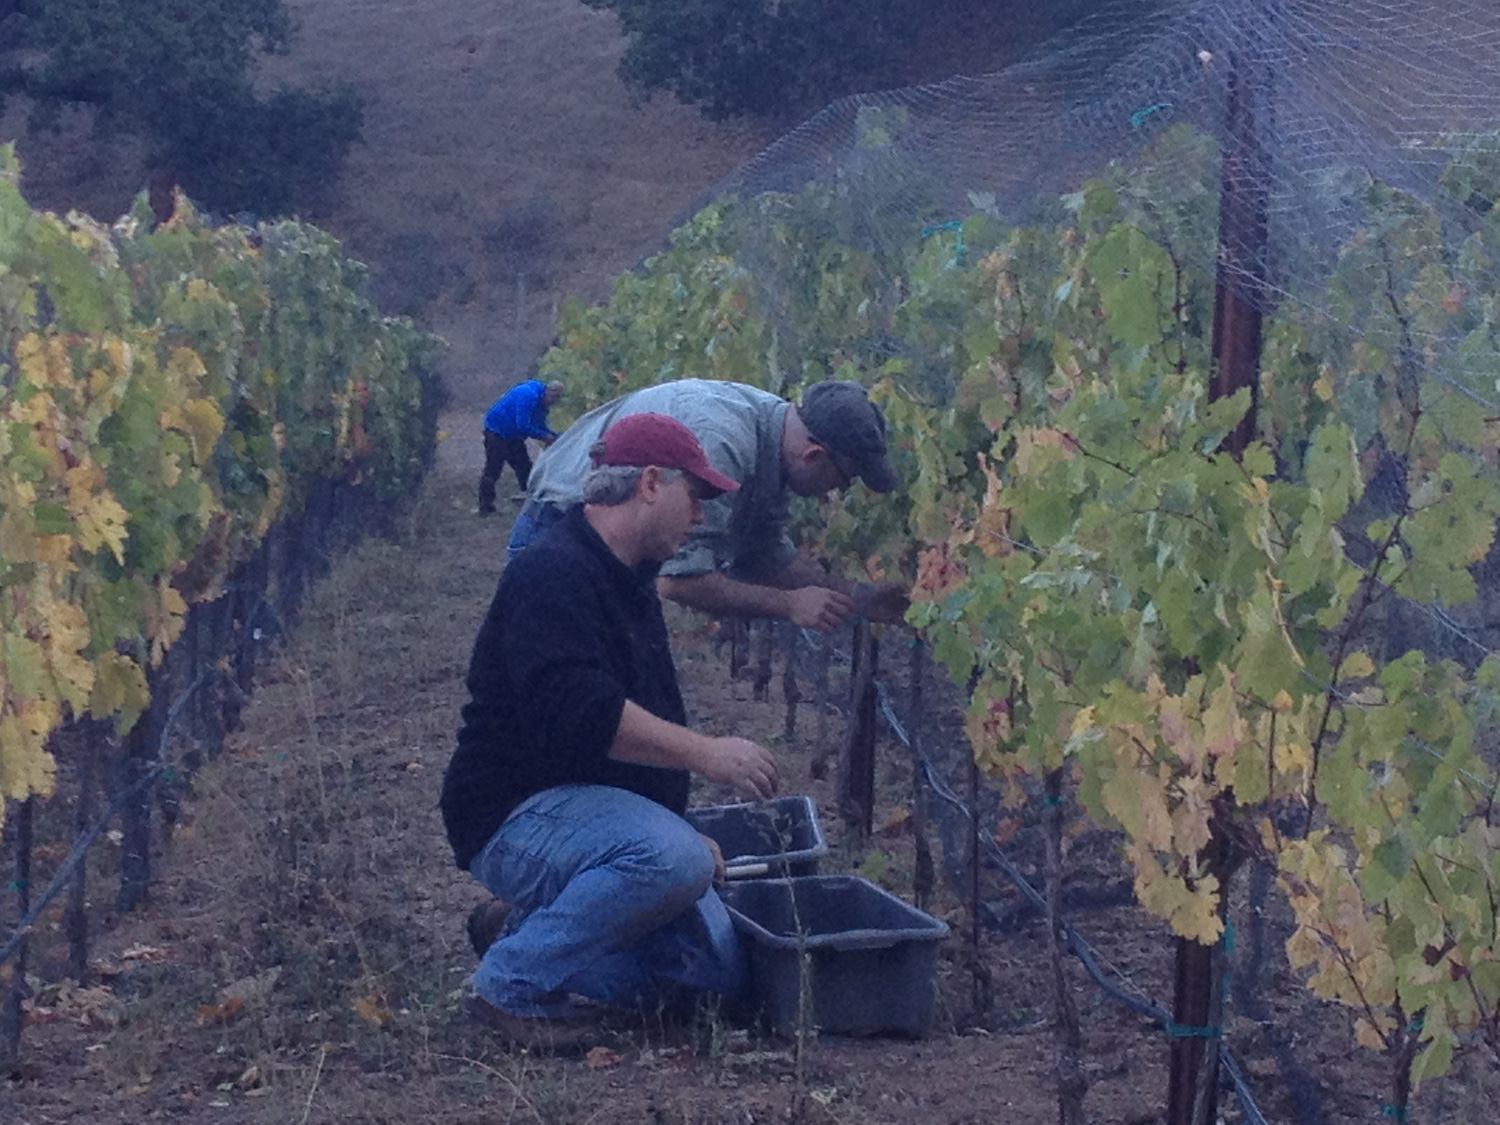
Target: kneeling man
(564,797)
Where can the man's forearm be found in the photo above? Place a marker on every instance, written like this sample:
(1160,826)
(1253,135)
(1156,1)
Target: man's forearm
(802,570)
(646,740)
(717,594)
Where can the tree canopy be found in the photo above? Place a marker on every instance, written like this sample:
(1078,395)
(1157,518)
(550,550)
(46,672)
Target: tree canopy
(181,76)
(763,57)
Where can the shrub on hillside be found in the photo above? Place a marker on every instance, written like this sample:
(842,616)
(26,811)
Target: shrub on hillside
(180,76)
(761,57)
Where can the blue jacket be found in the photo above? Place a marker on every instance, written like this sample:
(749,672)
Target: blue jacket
(520,412)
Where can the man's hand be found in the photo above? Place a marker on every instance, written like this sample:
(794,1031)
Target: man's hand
(882,602)
(713,846)
(817,607)
(746,765)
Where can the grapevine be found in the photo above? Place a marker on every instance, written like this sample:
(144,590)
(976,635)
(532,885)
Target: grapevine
(168,395)
(1203,643)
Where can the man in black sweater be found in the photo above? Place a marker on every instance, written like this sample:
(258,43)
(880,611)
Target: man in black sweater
(564,797)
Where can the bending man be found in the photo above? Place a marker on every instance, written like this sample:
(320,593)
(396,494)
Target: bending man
(518,414)
(739,560)
(564,797)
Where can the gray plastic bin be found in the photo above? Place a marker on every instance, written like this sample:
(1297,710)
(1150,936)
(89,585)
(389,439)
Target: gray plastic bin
(782,833)
(872,957)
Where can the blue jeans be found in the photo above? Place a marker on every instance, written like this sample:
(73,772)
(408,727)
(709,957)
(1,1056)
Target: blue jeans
(611,897)
(531,521)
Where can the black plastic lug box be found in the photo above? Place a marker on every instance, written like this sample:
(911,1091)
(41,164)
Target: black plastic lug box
(871,958)
(776,837)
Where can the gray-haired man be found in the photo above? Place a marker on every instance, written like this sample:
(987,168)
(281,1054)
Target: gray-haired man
(739,560)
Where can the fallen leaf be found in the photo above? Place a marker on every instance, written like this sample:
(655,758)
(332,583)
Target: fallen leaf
(207,1015)
(143,953)
(894,823)
(1006,829)
(602,1058)
(372,1009)
(91,1007)
(34,1014)
(252,989)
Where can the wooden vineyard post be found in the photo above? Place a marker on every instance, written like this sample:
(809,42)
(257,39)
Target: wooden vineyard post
(1192,1091)
(982,992)
(790,691)
(11,1016)
(924,876)
(739,632)
(857,783)
(138,758)
(819,766)
(763,637)
(1071,1083)
(250,587)
(93,740)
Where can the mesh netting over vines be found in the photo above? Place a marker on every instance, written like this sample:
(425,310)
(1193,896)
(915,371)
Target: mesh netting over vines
(1186,334)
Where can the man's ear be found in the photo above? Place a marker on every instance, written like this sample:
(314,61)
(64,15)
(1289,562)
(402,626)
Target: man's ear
(650,482)
(814,453)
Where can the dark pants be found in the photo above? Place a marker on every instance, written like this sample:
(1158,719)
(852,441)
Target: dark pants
(499,452)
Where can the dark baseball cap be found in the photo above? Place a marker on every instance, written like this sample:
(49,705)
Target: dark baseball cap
(658,439)
(841,418)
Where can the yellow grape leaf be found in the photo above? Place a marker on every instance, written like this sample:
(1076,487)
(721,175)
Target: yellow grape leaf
(24,665)
(35,411)
(1193,913)
(119,689)
(17,534)
(1190,831)
(68,635)
(121,354)
(83,480)
(56,550)
(25,765)
(44,362)
(1356,666)
(203,424)
(186,365)
(1224,730)
(1197,916)
(101,522)
(1292,756)
(1368,1035)
(164,623)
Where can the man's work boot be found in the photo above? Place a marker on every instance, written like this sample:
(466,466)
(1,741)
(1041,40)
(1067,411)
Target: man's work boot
(485,923)
(545,1035)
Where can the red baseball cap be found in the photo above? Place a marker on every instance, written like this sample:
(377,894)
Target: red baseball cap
(657,439)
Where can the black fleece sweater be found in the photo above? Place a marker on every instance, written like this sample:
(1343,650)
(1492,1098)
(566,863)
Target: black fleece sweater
(571,635)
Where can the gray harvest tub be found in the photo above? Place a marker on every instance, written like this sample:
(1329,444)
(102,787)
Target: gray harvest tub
(776,837)
(872,958)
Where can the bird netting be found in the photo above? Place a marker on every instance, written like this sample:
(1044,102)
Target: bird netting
(1186,332)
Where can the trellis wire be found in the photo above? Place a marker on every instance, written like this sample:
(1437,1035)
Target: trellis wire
(245,598)
(1075,943)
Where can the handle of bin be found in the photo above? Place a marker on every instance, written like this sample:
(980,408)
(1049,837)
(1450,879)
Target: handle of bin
(747,870)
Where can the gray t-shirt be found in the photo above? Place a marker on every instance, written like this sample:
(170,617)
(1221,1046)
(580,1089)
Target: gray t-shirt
(740,427)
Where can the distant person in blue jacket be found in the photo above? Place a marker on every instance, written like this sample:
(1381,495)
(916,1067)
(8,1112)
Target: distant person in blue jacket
(518,414)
